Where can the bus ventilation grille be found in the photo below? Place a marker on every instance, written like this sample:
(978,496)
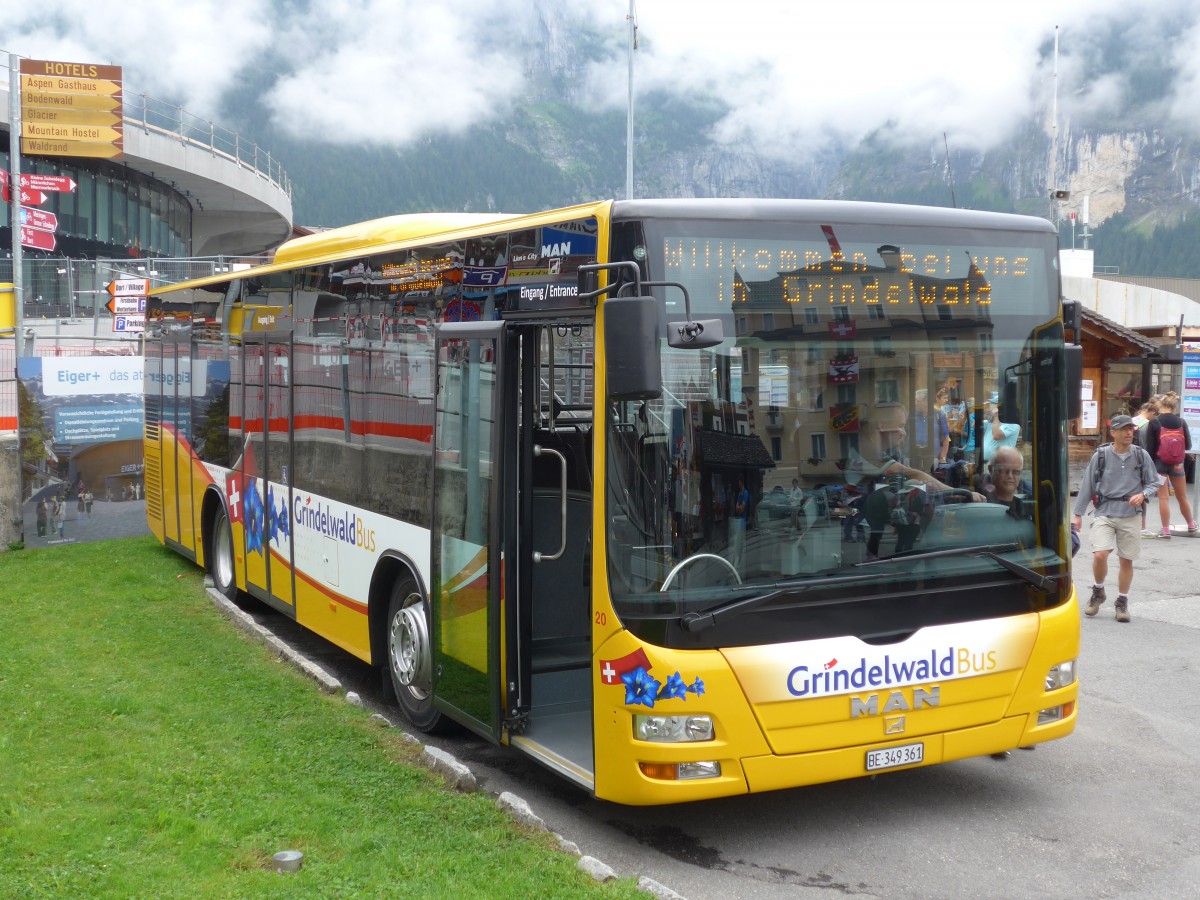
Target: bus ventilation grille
(153,488)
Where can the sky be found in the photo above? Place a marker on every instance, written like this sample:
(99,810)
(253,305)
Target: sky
(794,75)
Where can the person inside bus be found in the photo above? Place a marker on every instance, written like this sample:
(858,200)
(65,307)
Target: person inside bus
(1003,481)
(878,468)
(997,434)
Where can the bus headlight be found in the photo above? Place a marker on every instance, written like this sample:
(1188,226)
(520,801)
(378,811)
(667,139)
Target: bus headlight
(689,771)
(1060,676)
(673,729)
(1055,713)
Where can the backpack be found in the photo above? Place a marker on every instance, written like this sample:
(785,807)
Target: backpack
(1172,445)
(1097,497)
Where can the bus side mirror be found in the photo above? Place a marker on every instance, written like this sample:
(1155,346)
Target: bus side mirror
(632,347)
(695,334)
(1008,400)
(1074,384)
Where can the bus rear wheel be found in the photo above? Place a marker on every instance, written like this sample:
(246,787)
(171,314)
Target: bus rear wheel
(410,656)
(220,557)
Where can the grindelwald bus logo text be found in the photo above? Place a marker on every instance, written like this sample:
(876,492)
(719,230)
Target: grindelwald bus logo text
(833,678)
(321,518)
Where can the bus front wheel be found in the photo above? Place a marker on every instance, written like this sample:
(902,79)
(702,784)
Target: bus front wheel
(220,558)
(409,656)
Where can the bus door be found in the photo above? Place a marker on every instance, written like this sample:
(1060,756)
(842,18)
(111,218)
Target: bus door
(549,713)
(277,501)
(467,563)
(265,467)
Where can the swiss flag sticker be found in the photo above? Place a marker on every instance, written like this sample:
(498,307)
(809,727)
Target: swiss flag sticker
(233,492)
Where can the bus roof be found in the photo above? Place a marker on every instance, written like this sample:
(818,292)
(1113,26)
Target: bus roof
(386,234)
(826,212)
(387,230)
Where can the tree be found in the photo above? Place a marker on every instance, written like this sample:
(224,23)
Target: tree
(35,435)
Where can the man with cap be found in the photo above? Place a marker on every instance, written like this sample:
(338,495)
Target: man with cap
(1118,480)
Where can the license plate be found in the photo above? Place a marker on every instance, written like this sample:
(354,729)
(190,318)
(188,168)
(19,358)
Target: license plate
(891,757)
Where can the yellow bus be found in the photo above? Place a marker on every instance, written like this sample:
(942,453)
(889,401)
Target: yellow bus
(656,492)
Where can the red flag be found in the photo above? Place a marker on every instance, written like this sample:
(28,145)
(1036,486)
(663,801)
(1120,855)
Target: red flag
(834,246)
(611,670)
(843,370)
(844,418)
(843,328)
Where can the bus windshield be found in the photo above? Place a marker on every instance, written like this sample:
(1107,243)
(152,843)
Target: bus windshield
(877,444)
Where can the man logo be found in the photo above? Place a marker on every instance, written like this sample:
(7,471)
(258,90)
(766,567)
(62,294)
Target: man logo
(893,725)
(894,702)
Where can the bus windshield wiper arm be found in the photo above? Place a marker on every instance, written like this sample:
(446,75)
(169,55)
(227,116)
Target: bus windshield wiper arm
(700,621)
(1043,583)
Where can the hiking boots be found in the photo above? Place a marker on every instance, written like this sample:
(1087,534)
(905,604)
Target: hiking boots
(1097,600)
(1122,606)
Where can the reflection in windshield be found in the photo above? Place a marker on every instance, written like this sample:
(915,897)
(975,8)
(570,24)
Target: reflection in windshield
(847,419)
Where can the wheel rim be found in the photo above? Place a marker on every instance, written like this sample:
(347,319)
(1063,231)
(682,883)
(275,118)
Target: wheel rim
(408,646)
(222,554)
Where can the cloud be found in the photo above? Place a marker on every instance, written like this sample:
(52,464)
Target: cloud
(793,78)
(393,71)
(189,53)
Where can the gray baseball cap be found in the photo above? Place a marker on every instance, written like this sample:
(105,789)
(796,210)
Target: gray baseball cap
(1120,422)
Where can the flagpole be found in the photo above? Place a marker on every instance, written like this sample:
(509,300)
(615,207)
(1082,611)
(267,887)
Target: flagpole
(629,108)
(14,190)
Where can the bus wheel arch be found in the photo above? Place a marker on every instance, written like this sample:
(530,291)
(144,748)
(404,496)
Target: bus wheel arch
(219,557)
(401,641)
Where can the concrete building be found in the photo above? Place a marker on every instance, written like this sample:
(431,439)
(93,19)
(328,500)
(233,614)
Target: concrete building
(184,187)
(186,198)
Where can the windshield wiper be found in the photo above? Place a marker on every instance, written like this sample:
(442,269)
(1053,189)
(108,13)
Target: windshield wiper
(700,621)
(1043,583)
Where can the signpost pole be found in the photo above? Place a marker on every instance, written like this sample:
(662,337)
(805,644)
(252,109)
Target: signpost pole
(14,181)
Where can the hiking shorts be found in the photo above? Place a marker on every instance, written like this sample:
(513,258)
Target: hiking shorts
(1124,534)
(1175,471)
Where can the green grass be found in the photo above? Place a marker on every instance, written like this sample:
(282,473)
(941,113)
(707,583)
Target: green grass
(148,748)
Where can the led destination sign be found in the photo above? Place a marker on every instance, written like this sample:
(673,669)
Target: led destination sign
(747,270)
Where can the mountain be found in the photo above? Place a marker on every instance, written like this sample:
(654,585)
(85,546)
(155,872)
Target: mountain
(1139,179)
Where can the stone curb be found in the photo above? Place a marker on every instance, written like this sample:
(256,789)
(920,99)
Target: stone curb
(456,774)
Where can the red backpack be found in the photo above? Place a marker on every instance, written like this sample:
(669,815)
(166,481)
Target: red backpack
(1172,446)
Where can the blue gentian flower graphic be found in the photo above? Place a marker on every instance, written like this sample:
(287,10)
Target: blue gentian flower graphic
(254,519)
(674,688)
(696,687)
(640,688)
(282,519)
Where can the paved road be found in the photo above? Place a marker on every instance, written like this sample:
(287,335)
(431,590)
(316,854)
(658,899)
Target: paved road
(108,519)
(1109,812)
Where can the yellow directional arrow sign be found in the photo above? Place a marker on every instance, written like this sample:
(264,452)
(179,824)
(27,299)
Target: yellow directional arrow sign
(70,101)
(97,87)
(69,132)
(36,115)
(55,147)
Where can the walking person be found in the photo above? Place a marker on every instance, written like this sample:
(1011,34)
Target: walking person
(1117,481)
(1168,439)
(1144,416)
(58,518)
(43,517)
(737,523)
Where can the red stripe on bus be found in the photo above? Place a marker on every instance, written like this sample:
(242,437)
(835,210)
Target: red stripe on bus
(416,432)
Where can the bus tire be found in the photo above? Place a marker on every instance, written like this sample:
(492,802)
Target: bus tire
(221,565)
(409,668)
